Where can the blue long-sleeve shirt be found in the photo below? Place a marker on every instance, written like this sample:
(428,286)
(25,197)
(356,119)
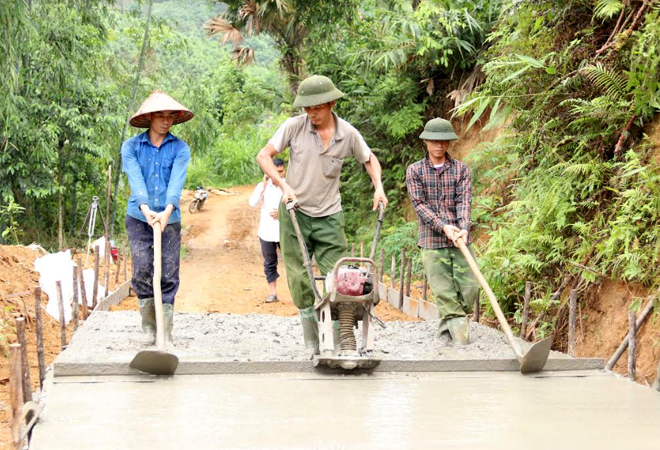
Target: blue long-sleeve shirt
(156,175)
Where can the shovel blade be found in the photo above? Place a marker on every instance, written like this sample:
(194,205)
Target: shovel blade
(155,362)
(536,357)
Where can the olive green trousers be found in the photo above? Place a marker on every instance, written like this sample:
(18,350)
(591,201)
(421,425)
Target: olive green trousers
(325,239)
(453,285)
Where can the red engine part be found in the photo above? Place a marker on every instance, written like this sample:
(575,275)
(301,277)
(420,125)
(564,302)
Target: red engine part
(350,281)
(114,252)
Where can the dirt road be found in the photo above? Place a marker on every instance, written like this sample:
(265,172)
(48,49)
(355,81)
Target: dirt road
(222,267)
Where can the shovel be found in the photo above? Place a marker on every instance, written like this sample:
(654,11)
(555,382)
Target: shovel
(536,357)
(159,361)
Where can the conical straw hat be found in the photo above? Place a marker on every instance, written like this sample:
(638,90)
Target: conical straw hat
(160,101)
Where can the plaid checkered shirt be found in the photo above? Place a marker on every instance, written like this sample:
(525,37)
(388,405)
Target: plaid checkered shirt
(440,197)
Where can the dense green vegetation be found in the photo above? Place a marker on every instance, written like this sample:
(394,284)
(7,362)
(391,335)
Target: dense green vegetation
(567,195)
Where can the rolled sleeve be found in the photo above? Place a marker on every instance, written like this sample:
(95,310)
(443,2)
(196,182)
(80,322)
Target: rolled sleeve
(178,176)
(282,137)
(133,171)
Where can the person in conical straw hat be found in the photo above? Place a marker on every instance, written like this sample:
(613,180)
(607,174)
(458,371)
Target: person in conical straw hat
(440,189)
(319,142)
(155,163)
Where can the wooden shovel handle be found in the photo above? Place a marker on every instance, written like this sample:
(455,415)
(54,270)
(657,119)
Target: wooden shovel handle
(158,295)
(491,297)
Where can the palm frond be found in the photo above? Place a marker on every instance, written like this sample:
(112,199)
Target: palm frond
(225,29)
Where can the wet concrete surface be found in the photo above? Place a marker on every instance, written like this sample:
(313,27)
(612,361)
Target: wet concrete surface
(210,342)
(568,410)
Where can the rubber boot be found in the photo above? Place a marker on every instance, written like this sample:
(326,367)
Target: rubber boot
(443,328)
(168,323)
(310,331)
(459,329)
(148,337)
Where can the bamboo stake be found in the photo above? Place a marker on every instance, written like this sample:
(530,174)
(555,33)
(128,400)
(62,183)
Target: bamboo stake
(107,269)
(95,291)
(646,312)
(632,346)
(124,255)
(361,249)
(39,330)
(381,261)
(26,382)
(74,310)
(15,394)
(60,304)
(117,269)
(409,276)
(525,315)
(83,291)
(393,272)
(572,316)
(402,277)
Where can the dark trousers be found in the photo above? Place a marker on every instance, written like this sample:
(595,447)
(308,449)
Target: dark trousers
(269,250)
(141,236)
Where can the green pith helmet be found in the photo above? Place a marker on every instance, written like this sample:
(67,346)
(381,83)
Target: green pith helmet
(438,130)
(316,90)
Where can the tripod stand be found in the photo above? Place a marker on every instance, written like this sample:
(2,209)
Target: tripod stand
(90,222)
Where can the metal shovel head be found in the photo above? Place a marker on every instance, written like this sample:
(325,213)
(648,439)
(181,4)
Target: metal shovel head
(536,357)
(155,362)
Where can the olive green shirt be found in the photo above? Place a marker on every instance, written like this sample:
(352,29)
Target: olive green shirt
(313,172)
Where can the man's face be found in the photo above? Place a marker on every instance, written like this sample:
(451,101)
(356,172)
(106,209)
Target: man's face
(162,121)
(319,114)
(437,149)
(281,170)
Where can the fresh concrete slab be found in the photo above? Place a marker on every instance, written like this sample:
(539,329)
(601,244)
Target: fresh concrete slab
(258,343)
(486,410)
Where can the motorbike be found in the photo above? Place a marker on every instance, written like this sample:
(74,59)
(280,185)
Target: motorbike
(199,197)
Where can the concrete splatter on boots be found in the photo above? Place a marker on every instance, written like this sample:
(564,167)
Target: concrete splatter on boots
(310,331)
(148,313)
(459,328)
(168,322)
(443,328)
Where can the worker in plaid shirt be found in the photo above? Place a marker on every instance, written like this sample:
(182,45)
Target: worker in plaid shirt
(440,189)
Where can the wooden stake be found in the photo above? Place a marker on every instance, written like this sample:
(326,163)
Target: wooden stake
(74,310)
(39,331)
(60,304)
(361,249)
(83,291)
(95,291)
(525,314)
(408,276)
(572,319)
(107,269)
(125,256)
(22,340)
(117,269)
(381,268)
(15,394)
(624,343)
(402,276)
(632,346)
(393,272)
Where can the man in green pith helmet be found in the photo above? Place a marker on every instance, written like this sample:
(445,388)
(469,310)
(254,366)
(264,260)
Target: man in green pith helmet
(440,188)
(319,141)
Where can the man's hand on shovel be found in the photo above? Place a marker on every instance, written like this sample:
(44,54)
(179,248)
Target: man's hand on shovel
(455,233)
